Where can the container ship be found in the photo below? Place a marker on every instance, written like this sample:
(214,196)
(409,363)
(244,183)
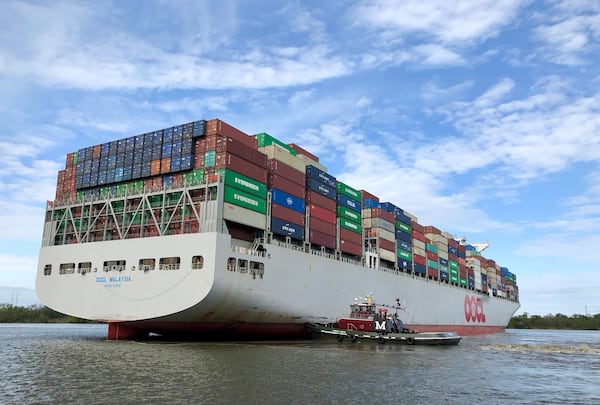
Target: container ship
(203,231)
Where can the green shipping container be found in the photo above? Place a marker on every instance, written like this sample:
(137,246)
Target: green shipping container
(404,254)
(243,183)
(245,200)
(453,278)
(348,191)
(463,282)
(265,139)
(453,265)
(454,272)
(155,200)
(193,177)
(118,206)
(210,158)
(432,264)
(350,225)
(430,247)
(403,227)
(345,212)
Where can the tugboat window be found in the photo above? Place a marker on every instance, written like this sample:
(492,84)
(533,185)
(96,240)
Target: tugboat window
(47,270)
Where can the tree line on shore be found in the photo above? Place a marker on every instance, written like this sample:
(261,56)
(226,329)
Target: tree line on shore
(558,321)
(34,314)
(42,314)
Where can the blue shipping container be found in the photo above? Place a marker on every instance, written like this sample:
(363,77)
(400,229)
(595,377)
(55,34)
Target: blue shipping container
(405,219)
(444,276)
(348,202)
(319,175)
(404,264)
(420,268)
(287,200)
(400,235)
(369,203)
(403,244)
(320,188)
(281,227)
(443,262)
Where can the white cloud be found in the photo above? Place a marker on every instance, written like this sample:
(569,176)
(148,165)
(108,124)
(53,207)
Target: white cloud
(445,22)
(572,33)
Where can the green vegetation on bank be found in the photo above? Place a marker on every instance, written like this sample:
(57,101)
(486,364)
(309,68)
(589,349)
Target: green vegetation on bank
(43,314)
(34,314)
(558,321)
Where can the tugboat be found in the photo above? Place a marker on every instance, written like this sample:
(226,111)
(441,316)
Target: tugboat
(370,321)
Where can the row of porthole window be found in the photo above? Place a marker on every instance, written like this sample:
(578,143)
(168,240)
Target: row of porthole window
(165,263)
(245,266)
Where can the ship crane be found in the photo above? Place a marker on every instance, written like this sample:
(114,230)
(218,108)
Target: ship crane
(479,246)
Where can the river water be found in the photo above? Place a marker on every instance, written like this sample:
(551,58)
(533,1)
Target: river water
(75,364)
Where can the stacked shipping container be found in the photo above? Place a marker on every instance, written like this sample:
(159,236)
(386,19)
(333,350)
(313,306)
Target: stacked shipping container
(321,204)
(265,178)
(348,210)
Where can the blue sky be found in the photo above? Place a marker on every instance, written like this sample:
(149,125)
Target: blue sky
(481,118)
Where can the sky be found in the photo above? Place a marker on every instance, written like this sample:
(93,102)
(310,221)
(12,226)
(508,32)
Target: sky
(479,117)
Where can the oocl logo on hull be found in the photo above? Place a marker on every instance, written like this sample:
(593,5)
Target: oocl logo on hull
(474,309)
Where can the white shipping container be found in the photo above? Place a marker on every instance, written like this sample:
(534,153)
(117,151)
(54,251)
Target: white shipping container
(282,155)
(308,161)
(244,216)
(419,251)
(387,255)
(443,253)
(419,244)
(378,223)
(438,240)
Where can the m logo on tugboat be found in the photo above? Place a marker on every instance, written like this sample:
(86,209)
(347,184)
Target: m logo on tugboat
(474,309)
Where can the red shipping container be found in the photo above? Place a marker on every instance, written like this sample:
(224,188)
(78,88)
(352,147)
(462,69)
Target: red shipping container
(418,236)
(219,127)
(368,196)
(70,157)
(432,256)
(432,272)
(316,224)
(452,257)
(351,248)
(383,214)
(239,231)
(322,239)
(321,201)
(453,243)
(432,229)
(301,151)
(349,236)
(286,214)
(283,184)
(418,227)
(211,142)
(387,245)
(322,214)
(419,259)
(230,145)
(276,167)
(228,161)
